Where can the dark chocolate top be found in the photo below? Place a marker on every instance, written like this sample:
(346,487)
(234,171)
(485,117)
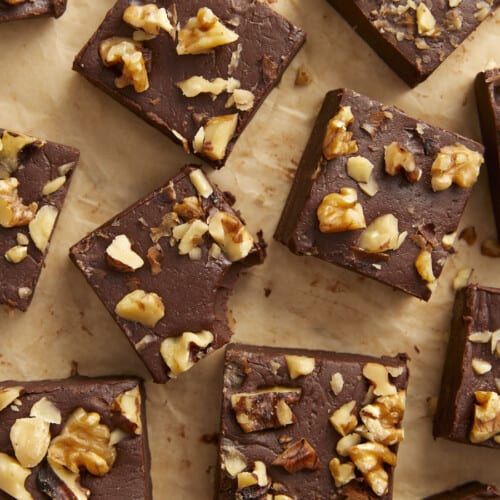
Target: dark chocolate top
(267,42)
(129,475)
(469,491)
(31,8)
(425,215)
(194,292)
(251,368)
(38,165)
(477,309)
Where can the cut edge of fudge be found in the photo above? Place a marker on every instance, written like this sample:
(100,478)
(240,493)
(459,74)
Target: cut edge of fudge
(173,335)
(28,10)
(35,176)
(459,413)
(313,171)
(487,86)
(271,73)
(249,439)
(472,490)
(85,429)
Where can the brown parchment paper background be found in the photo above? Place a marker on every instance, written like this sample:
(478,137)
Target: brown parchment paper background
(311,304)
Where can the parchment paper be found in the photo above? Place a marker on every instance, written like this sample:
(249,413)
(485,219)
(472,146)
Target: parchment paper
(312,304)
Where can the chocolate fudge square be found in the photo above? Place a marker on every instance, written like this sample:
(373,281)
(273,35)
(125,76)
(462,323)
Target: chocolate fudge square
(488,102)
(309,424)
(469,491)
(469,403)
(12,10)
(195,71)
(75,438)
(165,268)
(414,37)
(34,180)
(379,192)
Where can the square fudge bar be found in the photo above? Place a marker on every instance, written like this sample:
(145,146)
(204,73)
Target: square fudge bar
(165,268)
(379,192)
(197,71)
(469,491)
(302,424)
(488,102)
(12,10)
(34,180)
(469,403)
(414,37)
(74,438)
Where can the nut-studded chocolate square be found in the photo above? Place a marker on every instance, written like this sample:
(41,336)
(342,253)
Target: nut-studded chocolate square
(165,268)
(309,424)
(75,438)
(197,71)
(13,10)
(379,192)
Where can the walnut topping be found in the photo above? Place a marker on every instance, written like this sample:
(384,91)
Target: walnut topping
(339,212)
(398,158)
(128,53)
(337,383)
(483,10)
(369,458)
(257,483)
(486,417)
(426,23)
(232,460)
(359,168)
(11,145)
(142,307)
(177,352)
(155,257)
(378,375)
(265,409)
(53,185)
(244,100)
(382,235)
(448,240)
(299,365)
(16,254)
(12,478)
(58,482)
(303,76)
(423,264)
(12,211)
(197,85)
(461,280)
(127,406)
(345,443)
(375,122)
(454,3)
(480,366)
(8,395)
(42,225)
(298,456)
(480,337)
(30,438)
(189,208)
(168,222)
(120,256)
(46,411)
(212,139)
(83,442)
(190,235)
(344,419)
(342,473)
(149,18)
(337,141)
(200,182)
(203,33)
(455,163)
(231,234)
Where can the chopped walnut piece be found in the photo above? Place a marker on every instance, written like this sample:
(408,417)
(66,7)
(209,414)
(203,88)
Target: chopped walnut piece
(265,409)
(53,185)
(212,139)
(121,257)
(178,352)
(168,222)
(303,76)
(426,23)
(345,443)
(382,235)
(455,163)
(149,18)
(340,212)
(11,145)
(126,411)
(190,235)
(483,10)
(83,442)
(202,33)
(344,419)
(232,460)
(30,438)
(461,279)
(141,307)
(128,53)
(13,477)
(253,484)
(197,85)
(42,225)
(359,168)
(200,182)
(398,158)
(8,395)
(189,208)
(378,375)
(342,473)
(16,254)
(155,257)
(423,264)
(299,365)
(337,383)
(486,417)
(480,366)
(243,100)
(369,459)
(298,456)
(337,141)
(12,211)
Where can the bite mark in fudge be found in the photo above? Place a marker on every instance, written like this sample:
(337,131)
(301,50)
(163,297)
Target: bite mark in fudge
(309,424)
(12,10)
(197,72)
(488,101)
(469,403)
(165,268)
(379,192)
(74,438)
(414,37)
(469,491)
(34,180)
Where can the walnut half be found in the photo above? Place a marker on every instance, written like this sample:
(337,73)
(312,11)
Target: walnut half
(486,417)
(338,141)
(340,212)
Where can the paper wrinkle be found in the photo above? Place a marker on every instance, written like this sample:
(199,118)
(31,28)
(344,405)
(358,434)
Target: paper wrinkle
(311,304)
